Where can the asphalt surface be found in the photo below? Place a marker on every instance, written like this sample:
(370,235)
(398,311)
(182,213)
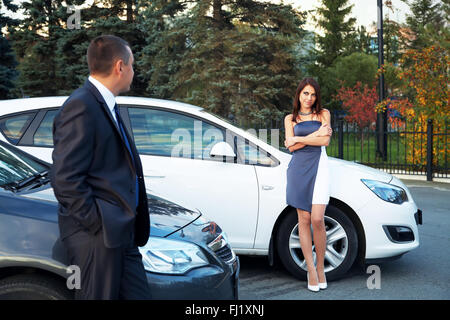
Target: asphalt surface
(423,273)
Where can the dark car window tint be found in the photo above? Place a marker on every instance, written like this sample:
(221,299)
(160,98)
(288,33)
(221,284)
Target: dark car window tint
(44,134)
(14,127)
(164,133)
(15,167)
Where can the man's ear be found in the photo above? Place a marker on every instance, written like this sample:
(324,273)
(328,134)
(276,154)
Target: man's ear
(118,66)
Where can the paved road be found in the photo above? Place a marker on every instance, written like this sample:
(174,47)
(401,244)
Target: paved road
(423,273)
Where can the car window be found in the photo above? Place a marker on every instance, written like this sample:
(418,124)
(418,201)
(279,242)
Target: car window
(165,133)
(250,153)
(15,167)
(13,127)
(43,137)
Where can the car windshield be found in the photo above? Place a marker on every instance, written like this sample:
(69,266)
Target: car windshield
(16,167)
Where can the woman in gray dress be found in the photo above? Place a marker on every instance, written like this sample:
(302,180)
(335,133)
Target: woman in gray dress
(308,132)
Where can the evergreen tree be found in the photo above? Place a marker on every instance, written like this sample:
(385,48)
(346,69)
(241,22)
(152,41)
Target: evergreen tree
(425,13)
(338,35)
(337,30)
(440,36)
(35,42)
(8,62)
(8,72)
(107,17)
(392,41)
(358,41)
(306,53)
(159,59)
(120,18)
(235,58)
(53,56)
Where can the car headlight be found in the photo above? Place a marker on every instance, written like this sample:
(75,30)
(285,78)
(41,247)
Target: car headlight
(386,191)
(162,255)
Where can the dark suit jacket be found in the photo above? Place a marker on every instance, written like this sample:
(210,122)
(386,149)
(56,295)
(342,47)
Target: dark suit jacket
(93,174)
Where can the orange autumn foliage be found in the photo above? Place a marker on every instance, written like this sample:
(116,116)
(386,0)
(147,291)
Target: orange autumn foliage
(426,72)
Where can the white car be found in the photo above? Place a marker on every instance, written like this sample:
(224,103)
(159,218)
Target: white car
(239,181)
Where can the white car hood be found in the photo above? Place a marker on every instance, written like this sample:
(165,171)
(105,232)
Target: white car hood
(348,168)
(344,168)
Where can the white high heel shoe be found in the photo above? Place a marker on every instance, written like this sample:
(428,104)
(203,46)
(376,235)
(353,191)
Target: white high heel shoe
(310,287)
(323,285)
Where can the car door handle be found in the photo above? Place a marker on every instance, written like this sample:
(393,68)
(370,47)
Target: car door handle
(159,177)
(266,187)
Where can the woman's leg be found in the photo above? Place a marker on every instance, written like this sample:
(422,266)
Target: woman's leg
(304,231)
(320,237)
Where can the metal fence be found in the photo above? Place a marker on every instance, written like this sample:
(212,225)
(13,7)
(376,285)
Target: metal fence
(413,148)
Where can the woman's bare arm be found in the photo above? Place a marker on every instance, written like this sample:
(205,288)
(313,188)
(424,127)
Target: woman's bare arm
(289,132)
(289,126)
(317,138)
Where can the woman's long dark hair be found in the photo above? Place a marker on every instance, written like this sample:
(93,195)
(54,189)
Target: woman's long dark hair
(316,107)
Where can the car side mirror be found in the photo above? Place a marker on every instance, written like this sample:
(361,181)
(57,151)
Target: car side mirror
(222,149)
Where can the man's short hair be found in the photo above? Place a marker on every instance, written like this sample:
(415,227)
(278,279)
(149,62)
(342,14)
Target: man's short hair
(104,51)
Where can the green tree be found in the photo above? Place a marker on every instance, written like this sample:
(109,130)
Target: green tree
(120,18)
(338,34)
(349,70)
(392,40)
(8,72)
(163,22)
(35,43)
(358,41)
(8,62)
(107,17)
(440,36)
(235,58)
(424,13)
(53,57)
(337,30)
(306,53)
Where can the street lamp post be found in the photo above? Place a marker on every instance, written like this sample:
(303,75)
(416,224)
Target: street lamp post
(381,117)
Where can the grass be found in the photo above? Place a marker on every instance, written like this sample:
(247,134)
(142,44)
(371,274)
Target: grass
(398,151)
(365,152)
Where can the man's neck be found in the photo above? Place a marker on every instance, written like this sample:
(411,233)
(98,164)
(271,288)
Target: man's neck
(107,83)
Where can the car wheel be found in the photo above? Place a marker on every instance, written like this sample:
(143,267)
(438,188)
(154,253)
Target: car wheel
(32,287)
(341,250)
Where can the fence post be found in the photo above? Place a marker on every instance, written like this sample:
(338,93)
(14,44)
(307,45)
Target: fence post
(341,138)
(430,150)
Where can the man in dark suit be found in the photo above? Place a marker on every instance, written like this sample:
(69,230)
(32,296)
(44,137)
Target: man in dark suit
(97,178)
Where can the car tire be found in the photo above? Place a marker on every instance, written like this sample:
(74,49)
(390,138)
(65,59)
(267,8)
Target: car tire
(33,287)
(342,244)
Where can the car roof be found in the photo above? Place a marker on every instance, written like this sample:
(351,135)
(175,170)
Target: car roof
(26,104)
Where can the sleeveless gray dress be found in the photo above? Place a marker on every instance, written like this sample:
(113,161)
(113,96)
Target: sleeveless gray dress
(308,174)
